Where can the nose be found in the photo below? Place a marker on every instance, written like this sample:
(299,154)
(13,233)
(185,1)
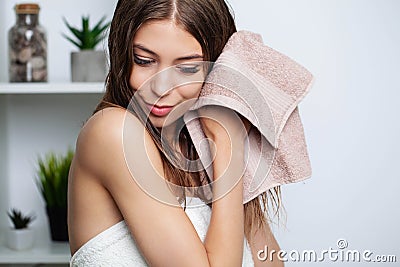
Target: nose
(162,83)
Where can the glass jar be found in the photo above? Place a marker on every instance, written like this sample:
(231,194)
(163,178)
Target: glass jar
(27,45)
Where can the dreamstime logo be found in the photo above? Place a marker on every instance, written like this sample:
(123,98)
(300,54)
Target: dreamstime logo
(338,254)
(155,91)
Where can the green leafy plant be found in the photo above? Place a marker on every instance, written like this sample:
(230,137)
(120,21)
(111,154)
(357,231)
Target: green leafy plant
(19,220)
(53,178)
(87,38)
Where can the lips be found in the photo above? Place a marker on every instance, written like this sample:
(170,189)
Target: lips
(159,111)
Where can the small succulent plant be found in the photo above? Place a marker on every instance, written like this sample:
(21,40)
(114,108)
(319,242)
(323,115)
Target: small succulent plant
(19,220)
(87,38)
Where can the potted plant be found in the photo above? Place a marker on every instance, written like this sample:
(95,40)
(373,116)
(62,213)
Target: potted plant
(20,237)
(88,65)
(53,174)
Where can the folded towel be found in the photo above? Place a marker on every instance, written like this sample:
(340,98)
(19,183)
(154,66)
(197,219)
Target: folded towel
(265,87)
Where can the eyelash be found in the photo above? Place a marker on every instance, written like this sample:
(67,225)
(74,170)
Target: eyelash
(142,62)
(189,70)
(185,70)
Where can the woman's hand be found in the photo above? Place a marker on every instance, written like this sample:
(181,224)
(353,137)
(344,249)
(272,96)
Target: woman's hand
(222,124)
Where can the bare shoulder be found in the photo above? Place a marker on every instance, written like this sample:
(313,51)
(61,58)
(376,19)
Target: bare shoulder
(105,124)
(101,143)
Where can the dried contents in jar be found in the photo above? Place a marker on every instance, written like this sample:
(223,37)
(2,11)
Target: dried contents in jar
(27,46)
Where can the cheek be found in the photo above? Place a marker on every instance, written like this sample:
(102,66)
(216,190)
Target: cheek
(190,91)
(138,77)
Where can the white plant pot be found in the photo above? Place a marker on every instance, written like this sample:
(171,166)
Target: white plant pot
(88,66)
(21,239)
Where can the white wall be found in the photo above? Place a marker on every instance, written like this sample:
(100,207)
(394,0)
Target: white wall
(350,118)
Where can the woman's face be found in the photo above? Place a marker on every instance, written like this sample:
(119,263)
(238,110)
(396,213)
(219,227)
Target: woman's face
(167,72)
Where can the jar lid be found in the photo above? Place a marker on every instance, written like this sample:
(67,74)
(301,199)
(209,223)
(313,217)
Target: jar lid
(27,8)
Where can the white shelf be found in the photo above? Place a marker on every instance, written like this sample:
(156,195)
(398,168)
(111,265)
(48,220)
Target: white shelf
(51,88)
(55,252)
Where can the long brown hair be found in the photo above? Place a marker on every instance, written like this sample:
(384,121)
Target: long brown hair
(211,23)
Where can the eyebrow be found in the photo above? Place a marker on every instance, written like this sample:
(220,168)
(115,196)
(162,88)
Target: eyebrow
(188,57)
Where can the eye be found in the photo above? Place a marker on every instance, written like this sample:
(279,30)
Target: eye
(188,68)
(141,61)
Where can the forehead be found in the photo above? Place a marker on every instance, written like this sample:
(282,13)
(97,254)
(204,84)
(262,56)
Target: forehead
(166,38)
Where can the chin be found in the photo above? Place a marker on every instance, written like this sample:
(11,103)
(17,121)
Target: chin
(162,122)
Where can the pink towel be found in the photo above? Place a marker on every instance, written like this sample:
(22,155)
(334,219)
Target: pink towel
(265,87)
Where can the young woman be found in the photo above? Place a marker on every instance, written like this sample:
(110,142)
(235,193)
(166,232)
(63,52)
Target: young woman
(113,219)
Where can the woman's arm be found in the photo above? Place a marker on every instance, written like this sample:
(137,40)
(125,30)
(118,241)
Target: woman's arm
(233,135)
(109,144)
(263,240)
(225,235)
